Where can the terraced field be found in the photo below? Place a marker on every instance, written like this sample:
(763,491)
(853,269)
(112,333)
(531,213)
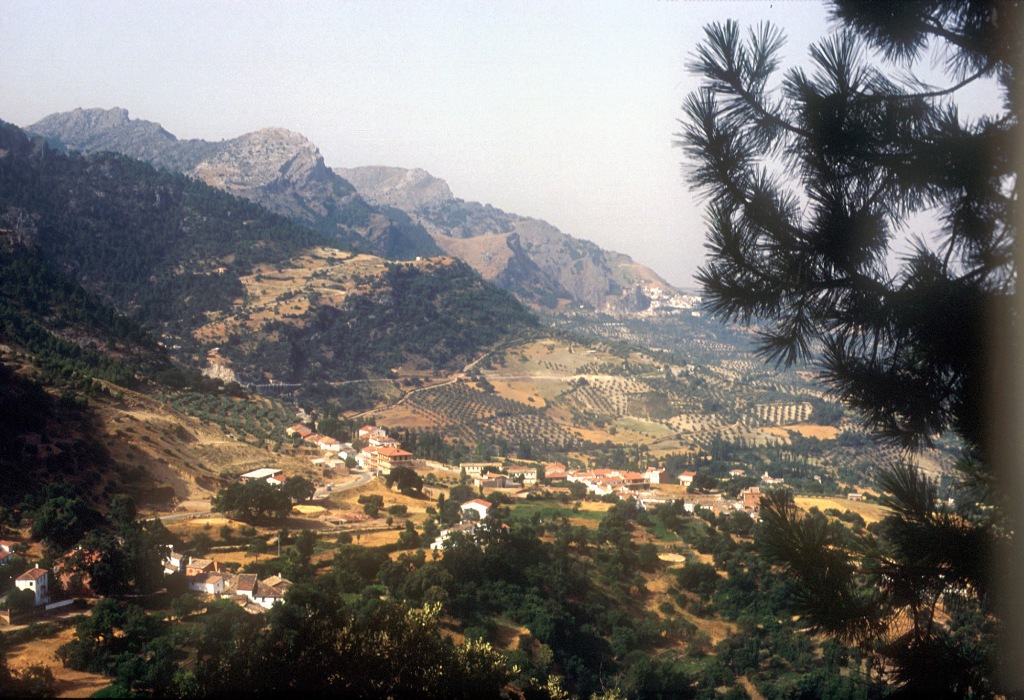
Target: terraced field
(469,413)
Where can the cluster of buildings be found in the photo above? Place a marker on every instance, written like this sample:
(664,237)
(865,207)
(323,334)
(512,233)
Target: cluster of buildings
(671,302)
(622,483)
(209,577)
(381,454)
(604,482)
(308,436)
(599,482)
(202,575)
(473,513)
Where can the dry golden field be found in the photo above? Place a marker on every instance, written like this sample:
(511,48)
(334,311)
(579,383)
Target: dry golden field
(68,683)
(871,512)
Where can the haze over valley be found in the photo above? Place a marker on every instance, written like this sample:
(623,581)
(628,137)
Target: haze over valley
(613,351)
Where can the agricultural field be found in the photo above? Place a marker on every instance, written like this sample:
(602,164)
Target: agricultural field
(563,392)
(261,418)
(285,291)
(674,386)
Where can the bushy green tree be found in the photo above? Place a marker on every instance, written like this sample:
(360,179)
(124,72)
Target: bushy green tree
(299,489)
(406,479)
(63,520)
(252,501)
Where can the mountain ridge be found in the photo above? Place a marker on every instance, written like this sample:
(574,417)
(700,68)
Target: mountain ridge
(218,276)
(401,213)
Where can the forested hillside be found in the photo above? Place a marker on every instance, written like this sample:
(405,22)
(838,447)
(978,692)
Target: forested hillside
(276,168)
(393,212)
(171,252)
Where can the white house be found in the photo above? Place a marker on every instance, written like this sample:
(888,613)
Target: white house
(328,444)
(245,585)
(477,508)
(473,469)
(38,581)
(368,431)
(6,552)
(173,561)
(383,441)
(264,474)
(271,590)
(653,475)
(528,474)
(209,583)
(686,478)
(465,528)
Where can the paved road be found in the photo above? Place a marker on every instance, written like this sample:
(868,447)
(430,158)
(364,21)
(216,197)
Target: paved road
(325,491)
(183,516)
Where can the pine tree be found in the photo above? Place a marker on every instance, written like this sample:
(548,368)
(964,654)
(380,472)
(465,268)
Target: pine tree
(812,180)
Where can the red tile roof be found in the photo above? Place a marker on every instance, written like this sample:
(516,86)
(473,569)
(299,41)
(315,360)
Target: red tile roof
(32,574)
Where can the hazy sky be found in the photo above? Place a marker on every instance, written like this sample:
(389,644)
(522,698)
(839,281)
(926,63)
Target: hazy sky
(564,111)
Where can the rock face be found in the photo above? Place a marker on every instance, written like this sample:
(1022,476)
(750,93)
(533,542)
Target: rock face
(277,168)
(409,190)
(530,257)
(90,130)
(396,212)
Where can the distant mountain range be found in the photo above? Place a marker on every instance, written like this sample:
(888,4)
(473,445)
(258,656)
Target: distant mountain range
(398,213)
(222,281)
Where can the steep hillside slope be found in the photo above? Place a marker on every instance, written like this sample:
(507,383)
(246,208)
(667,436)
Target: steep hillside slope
(277,168)
(181,257)
(398,213)
(528,256)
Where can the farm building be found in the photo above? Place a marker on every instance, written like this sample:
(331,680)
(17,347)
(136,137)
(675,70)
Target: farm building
(267,474)
(38,581)
(477,507)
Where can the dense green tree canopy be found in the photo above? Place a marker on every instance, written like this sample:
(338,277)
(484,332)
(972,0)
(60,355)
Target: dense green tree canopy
(253,501)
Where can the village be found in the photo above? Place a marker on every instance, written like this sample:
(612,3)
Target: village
(375,455)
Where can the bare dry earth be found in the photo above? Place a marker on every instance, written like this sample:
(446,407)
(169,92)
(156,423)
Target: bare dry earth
(871,512)
(162,453)
(68,682)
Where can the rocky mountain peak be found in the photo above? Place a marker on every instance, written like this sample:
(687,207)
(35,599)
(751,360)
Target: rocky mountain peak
(402,188)
(96,129)
(86,120)
(260,158)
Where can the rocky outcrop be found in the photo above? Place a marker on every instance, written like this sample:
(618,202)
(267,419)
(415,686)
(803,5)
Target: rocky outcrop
(530,257)
(90,130)
(409,190)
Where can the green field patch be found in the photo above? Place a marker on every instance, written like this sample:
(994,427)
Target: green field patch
(662,533)
(549,511)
